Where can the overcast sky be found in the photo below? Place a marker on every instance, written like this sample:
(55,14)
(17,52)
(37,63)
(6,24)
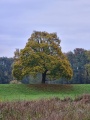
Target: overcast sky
(19,18)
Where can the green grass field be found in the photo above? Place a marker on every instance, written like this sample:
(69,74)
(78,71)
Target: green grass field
(11,92)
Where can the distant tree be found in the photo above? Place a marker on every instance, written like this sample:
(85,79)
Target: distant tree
(16,54)
(87,67)
(5,70)
(42,54)
(78,60)
(17,66)
(87,73)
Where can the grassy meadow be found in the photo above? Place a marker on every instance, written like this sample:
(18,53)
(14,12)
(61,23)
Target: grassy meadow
(12,92)
(44,102)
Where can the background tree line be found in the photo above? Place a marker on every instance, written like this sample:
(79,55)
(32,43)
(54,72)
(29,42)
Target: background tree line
(79,60)
(80,63)
(6,70)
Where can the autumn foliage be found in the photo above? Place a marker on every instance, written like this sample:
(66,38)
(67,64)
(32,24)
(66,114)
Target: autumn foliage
(42,54)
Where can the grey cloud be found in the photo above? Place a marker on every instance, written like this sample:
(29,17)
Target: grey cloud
(69,18)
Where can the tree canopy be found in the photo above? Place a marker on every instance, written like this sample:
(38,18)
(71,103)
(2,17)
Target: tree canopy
(42,54)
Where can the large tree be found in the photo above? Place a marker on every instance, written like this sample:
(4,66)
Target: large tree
(42,54)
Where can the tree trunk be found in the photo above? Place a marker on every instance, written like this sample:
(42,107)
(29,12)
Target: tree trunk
(44,77)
